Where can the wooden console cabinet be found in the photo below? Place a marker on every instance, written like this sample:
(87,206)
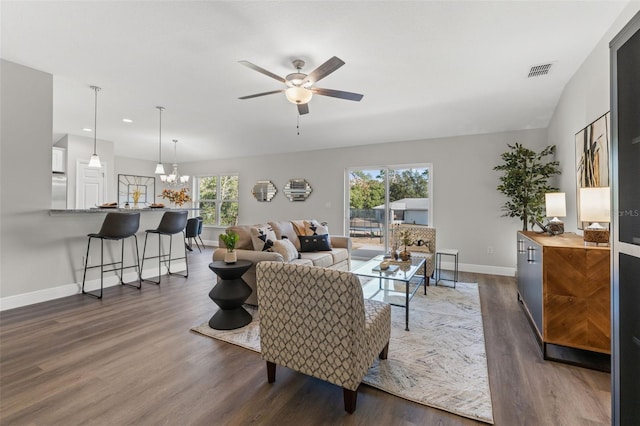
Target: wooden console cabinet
(564,287)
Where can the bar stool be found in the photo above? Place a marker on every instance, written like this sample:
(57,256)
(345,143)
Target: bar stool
(171,223)
(446,252)
(191,232)
(116,226)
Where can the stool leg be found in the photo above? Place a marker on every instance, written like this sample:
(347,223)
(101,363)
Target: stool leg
(101,266)
(144,251)
(456,273)
(184,244)
(186,261)
(122,262)
(170,250)
(138,262)
(86,260)
(137,266)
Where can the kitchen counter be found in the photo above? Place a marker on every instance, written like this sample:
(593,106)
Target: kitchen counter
(55,212)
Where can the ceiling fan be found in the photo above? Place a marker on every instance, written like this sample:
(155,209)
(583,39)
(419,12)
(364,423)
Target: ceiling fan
(300,87)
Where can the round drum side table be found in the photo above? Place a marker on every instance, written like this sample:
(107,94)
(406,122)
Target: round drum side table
(229,294)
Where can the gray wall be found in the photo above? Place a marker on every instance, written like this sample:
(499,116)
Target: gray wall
(466,203)
(584,98)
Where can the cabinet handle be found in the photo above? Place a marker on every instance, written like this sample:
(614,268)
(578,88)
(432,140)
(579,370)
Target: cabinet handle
(520,246)
(530,251)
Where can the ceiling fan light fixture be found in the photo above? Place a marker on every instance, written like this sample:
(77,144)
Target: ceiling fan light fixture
(298,95)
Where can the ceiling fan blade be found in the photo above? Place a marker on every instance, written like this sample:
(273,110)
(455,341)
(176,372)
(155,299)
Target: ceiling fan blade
(262,94)
(262,71)
(350,96)
(303,109)
(324,70)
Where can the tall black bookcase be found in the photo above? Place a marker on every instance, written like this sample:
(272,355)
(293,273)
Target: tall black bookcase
(625,177)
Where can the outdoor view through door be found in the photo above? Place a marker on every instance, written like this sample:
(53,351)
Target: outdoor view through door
(380,197)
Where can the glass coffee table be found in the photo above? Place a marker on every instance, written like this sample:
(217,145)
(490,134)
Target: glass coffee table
(396,285)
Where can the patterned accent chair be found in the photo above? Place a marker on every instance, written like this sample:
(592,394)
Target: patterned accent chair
(316,321)
(423,243)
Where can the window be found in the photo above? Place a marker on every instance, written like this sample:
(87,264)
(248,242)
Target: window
(382,196)
(216,198)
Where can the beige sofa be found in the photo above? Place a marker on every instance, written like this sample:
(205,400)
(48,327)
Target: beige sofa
(338,258)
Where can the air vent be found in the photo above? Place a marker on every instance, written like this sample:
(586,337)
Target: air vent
(538,70)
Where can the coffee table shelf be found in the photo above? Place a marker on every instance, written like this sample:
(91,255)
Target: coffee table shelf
(395,287)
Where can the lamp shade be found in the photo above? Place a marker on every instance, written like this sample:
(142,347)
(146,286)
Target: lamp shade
(595,204)
(298,95)
(555,203)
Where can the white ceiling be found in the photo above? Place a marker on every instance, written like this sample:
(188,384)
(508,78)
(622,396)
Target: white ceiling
(426,69)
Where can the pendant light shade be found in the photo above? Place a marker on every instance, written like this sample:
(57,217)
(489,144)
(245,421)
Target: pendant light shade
(159,166)
(94,162)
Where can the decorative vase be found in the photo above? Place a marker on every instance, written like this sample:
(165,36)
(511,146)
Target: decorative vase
(230,257)
(405,255)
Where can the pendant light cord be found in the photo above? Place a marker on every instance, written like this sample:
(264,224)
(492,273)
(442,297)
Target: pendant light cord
(95,119)
(160,141)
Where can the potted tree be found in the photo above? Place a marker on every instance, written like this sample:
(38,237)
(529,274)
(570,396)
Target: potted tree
(230,239)
(525,180)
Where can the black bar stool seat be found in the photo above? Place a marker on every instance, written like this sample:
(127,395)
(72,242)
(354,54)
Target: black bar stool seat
(172,222)
(116,226)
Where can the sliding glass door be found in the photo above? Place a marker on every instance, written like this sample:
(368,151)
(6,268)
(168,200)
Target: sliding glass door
(378,198)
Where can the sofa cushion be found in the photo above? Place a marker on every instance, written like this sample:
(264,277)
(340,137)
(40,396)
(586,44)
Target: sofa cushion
(262,237)
(286,249)
(322,259)
(314,243)
(285,229)
(244,234)
(307,262)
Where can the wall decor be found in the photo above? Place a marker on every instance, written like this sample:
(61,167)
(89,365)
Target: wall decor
(264,190)
(592,158)
(136,190)
(297,190)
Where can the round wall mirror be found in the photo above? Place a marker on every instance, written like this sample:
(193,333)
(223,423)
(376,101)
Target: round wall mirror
(297,190)
(264,190)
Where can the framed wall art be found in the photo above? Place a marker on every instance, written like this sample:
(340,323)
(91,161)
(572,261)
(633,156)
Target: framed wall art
(592,158)
(136,190)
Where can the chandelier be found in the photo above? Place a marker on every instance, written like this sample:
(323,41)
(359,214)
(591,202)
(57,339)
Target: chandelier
(174,179)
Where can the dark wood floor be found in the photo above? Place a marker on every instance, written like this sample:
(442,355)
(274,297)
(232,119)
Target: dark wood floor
(131,359)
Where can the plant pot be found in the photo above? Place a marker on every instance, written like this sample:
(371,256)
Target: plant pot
(230,257)
(405,255)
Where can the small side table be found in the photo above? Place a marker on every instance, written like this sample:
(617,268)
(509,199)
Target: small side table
(229,294)
(446,252)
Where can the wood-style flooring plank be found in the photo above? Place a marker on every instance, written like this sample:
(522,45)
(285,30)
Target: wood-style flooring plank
(131,358)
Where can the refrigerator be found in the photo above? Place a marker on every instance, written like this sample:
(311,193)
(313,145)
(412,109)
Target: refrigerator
(58,191)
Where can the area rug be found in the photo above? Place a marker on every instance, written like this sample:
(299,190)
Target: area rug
(440,363)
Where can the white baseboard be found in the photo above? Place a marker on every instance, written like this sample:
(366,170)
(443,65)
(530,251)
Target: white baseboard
(65,290)
(480,269)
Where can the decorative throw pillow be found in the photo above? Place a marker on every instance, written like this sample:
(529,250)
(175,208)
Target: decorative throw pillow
(262,238)
(313,227)
(314,243)
(286,249)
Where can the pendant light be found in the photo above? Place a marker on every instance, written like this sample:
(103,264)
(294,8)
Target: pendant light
(94,162)
(159,166)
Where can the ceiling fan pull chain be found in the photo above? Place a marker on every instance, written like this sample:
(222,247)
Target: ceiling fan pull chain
(298,124)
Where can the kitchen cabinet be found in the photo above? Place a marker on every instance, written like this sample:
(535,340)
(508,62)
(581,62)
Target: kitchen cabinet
(58,160)
(564,288)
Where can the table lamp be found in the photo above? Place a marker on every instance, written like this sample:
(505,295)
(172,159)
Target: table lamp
(595,207)
(556,205)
